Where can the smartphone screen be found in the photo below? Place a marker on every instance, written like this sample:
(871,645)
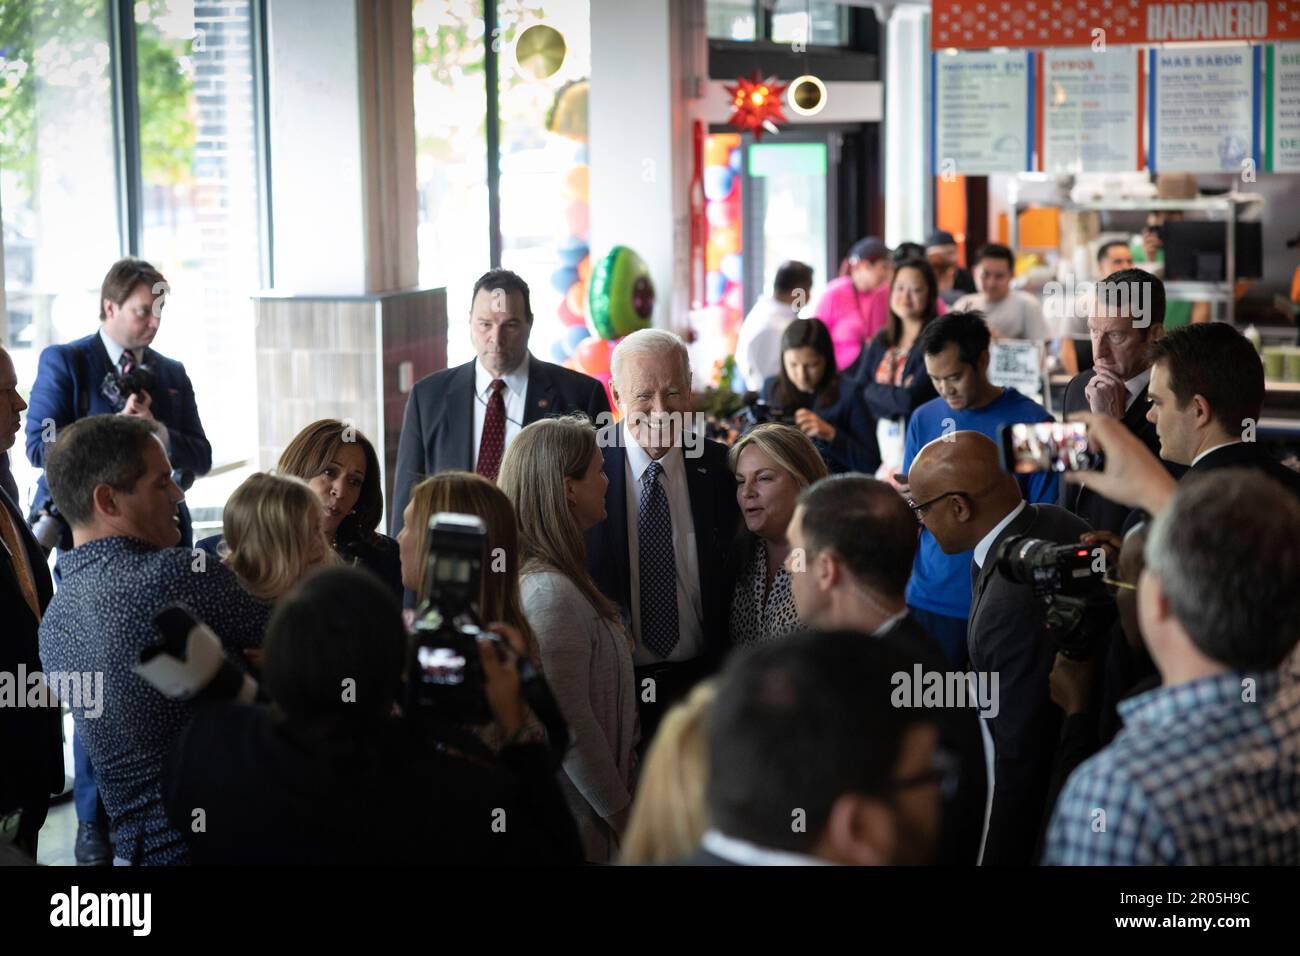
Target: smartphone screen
(1046,446)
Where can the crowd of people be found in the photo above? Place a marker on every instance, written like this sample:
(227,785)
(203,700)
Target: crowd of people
(810,646)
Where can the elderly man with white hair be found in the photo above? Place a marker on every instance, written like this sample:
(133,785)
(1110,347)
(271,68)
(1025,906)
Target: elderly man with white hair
(672,513)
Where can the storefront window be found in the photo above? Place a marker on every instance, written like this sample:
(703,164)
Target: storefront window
(199,206)
(451,156)
(58,186)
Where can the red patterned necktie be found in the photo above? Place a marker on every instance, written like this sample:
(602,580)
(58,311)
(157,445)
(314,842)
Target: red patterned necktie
(126,362)
(493,443)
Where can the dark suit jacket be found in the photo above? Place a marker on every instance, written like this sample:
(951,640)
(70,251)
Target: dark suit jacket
(1006,637)
(959,734)
(892,401)
(716,516)
(327,795)
(57,396)
(854,446)
(438,429)
(31,738)
(1102,513)
(1249,455)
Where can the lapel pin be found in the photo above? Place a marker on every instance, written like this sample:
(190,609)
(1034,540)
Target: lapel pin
(542,403)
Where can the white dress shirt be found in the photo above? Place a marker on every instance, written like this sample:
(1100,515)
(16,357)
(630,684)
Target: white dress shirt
(690,605)
(1215,448)
(986,542)
(1134,387)
(114,350)
(115,356)
(751,854)
(889,623)
(514,394)
(758,347)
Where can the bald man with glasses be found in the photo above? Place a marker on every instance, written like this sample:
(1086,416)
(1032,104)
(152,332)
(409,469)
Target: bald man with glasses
(960,493)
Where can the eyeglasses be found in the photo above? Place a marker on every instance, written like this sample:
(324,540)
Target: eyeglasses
(1115,586)
(919,510)
(944,770)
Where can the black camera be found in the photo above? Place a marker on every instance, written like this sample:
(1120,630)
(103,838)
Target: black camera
(760,413)
(445,682)
(139,379)
(444,671)
(1065,578)
(50,528)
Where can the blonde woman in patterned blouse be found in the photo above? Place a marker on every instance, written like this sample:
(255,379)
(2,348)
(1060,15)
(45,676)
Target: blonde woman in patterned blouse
(772,464)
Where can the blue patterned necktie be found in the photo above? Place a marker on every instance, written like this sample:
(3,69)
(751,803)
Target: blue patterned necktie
(658,565)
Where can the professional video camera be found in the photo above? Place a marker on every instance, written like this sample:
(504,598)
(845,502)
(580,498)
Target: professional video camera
(1063,577)
(444,677)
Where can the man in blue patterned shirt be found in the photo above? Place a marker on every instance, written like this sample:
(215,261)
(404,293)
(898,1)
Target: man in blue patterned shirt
(1207,768)
(110,477)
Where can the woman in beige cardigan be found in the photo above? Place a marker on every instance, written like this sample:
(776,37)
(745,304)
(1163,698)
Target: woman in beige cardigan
(553,473)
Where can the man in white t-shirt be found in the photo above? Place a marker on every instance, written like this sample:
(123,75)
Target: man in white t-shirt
(1010,314)
(758,349)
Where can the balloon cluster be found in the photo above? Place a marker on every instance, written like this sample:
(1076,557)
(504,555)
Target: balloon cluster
(718,323)
(618,299)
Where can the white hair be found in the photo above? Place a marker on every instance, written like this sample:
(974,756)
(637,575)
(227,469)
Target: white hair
(649,342)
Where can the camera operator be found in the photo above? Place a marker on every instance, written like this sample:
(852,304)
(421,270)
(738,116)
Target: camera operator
(963,497)
(808,393)
(1204,771)
(111,478)
(328,776)
(1089,690)
(114,371)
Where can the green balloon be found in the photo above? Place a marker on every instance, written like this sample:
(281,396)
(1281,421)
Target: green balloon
(620,296)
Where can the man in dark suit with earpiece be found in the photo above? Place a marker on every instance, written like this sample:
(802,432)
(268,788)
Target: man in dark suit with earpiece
(31,739)
(462,419)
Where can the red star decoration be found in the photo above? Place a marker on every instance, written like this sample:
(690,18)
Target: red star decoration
(756,104)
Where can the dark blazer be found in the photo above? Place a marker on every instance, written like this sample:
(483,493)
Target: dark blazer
(1006,637)
(1102,513)
(716,515)
(1249,455)
(383,557)
(893,401)
(57,395)
(959,734)
(31,738)
(437,431)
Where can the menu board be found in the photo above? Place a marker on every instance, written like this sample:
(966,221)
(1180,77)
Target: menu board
(1284,108)
(981,113)
(1204,109)
(1017,363)
(1090,111)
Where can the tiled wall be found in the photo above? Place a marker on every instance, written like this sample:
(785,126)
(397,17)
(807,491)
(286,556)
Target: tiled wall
(320,358)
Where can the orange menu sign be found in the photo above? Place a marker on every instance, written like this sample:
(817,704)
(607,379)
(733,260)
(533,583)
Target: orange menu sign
(980,24)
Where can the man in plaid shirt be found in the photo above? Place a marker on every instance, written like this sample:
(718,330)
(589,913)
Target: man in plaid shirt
(1207,768)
